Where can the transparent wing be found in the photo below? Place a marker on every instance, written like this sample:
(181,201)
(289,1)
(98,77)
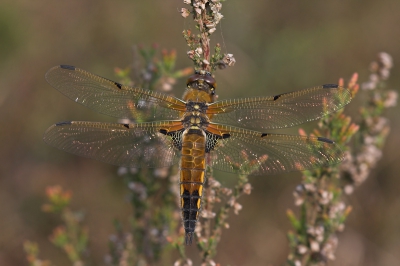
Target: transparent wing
(130,145)
(254,153)
(280,111)
(111,98)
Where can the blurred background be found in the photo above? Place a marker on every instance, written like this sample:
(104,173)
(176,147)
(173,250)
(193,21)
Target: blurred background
(279,46)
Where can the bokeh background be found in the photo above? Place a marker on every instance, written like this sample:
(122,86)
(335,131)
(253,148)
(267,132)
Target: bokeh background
(280,46)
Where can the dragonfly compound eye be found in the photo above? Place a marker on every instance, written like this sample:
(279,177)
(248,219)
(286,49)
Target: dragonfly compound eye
(201,78)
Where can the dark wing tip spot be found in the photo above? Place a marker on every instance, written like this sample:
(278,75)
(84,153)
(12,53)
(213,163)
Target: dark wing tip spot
(264,134)
(276,97)
(119,85)
(163,131)
(330,86)
(64,123)
(67,67)
(126,125)
(326,140)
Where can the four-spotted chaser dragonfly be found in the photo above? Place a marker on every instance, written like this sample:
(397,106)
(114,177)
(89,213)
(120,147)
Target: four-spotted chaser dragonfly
(229,132)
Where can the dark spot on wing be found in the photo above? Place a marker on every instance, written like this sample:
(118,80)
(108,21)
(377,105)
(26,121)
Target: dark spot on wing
(64,123)
(276,97)
(163,131)
(67,67)
(326,140)
(119,85)
(226,135)
(126,125)
(330,86)
(264,134)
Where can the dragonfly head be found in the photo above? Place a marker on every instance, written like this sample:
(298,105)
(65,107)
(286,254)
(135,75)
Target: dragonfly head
(202,80)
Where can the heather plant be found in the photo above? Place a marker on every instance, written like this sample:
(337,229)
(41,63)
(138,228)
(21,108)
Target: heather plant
(322,194)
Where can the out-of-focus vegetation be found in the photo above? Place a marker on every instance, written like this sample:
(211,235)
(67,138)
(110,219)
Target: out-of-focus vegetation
(279,47)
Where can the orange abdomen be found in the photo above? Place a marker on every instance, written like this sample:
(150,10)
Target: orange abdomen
(192,169)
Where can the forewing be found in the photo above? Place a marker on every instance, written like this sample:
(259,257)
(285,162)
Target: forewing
(111,98)
(280,111)
(254,153)
(130,145)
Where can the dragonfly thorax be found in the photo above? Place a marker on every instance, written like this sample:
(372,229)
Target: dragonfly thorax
(195,119)
(196,107)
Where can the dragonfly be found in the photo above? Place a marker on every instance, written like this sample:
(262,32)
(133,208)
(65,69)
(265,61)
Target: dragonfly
(229,134)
